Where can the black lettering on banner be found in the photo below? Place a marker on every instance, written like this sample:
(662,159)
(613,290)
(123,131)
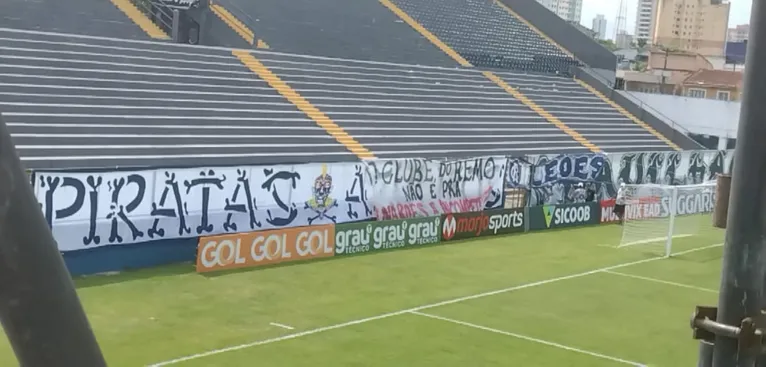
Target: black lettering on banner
(205,180)
(270,185)
(249,206)
(160,209)
(55,183)
(357,194)
(119,211)
(451,189)
(94,183)
(454,173)
(413,192)
(433,192)
(386,174)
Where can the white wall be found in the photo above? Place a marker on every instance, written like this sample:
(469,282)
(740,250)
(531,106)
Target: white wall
(698,115)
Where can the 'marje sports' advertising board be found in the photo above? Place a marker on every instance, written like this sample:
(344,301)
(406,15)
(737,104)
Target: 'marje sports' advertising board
(460,226)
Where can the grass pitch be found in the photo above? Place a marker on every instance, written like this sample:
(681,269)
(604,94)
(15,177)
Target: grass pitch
(549,298)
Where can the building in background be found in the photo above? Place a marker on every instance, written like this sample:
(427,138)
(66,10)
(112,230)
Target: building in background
(738,33)
(569,10)
(599,26)
(699,26)
(645,16)
(723,85)
(624,40)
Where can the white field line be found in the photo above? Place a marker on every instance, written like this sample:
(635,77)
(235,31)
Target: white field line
(409,310)
(283,326)
(531,339)
(666,282)
(655,239)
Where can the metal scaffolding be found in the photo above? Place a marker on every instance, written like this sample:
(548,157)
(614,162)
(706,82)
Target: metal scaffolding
(39,308)
(733,333)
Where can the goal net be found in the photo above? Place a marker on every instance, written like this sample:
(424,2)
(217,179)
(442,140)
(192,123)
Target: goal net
(666,219)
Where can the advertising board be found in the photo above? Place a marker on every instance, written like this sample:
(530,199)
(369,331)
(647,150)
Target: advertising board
(460,226)
(356,238)
(240,250)
(687,203)
(564,215)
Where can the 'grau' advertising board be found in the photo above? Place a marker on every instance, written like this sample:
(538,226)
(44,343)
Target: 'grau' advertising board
(564,215)
(260,248)
(356,238)
(460,226)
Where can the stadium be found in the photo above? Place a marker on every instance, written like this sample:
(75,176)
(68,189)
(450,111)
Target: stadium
(357,183)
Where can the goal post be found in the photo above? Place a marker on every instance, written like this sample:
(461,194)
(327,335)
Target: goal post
(665,219)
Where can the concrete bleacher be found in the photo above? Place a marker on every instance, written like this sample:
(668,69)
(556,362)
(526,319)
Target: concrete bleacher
(75,101)
(360,30)
(589,115)
(486,34)
(413,111)
(87,17)
(83,102)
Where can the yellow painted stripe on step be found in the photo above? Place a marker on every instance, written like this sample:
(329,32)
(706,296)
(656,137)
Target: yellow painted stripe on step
(425,33)
(312,112)
(141,20)
(262,44)
(534,29)
(235,24)
(627,114)
(545,114)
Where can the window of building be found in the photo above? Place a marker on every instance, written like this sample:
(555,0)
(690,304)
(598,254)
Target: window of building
(696,93)
(647,89)
(723,95)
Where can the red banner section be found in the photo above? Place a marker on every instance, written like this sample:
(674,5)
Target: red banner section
(636,209)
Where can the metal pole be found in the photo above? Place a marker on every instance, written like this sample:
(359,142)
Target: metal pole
(39,309)
(706,354)
(176,31)
(664,68)
(744,259)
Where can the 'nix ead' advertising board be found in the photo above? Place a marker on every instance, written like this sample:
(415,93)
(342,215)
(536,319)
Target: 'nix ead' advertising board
(357,238)
(460,226)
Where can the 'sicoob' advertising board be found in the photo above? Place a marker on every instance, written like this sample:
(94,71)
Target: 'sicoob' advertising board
(460,226)
(564,215)
(260,248)
(356,238)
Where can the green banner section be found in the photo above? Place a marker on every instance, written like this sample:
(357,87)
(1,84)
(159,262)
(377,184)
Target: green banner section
(564,215)
(357,238)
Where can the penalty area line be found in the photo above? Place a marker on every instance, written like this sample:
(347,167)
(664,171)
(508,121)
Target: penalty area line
(530,339)
(660,281)
(414,309)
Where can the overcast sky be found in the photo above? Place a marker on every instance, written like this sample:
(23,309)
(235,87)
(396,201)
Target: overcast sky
(740,13)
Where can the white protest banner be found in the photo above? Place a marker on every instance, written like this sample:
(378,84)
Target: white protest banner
(92,209)
(407,188)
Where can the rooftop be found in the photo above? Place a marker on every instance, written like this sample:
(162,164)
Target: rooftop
(719,78)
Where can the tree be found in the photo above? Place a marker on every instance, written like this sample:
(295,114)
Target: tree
(609,44)
(641,43)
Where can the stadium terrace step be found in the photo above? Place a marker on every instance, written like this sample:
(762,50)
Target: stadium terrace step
(602,123)
(96,100)
(106,103)
(417,111)
(486,34)
(361,30)
(87,17)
